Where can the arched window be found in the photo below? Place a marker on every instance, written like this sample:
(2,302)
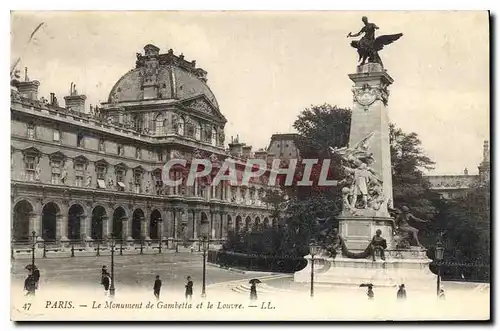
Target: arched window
(214,136)
(159,125)
(197,131)
(180,126)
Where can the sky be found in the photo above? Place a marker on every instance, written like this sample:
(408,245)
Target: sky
(266,67)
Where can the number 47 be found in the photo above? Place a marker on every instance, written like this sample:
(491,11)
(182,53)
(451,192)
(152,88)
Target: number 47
(27,306)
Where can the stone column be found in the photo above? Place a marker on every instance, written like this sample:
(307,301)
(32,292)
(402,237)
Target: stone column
(196,222)
(85,225)
(35,225)
(223,225)
(62,226)
(125,228)
(176,222)
(145,229)
(106,227)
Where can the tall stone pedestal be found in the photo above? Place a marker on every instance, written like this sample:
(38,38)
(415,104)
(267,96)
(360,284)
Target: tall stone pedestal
(367,196)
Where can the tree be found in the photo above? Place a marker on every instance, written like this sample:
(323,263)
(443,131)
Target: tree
(410,187)
(465,224)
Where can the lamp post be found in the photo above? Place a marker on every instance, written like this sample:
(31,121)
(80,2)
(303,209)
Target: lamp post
(112,287)
(205,244)
(313,250)
(439,258)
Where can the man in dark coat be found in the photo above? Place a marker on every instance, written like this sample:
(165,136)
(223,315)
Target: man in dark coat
(401,292)
(253,292)
(157,287)
(105,279)
(36,276)
(29,285)
(370,293)
(189,288)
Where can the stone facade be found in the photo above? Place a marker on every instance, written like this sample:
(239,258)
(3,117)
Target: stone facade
(455,186)
(87,175)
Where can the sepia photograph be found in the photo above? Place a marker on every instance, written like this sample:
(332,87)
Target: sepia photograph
(250,166)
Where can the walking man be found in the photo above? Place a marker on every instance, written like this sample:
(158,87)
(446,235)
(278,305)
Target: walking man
(157,287)
(189,288)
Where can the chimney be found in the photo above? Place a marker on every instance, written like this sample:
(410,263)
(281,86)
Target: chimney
(247,152)
(260,154)
(74,101)
(235,148)
(486,151)
(28,88)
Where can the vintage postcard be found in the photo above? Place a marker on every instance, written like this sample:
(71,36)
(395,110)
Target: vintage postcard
(257,166)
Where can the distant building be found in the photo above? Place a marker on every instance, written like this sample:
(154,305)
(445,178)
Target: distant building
(284,146)
(455,186)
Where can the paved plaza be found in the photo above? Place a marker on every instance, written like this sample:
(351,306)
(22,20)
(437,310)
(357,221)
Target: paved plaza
(131,271)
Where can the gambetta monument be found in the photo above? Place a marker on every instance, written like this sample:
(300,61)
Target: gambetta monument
(374,243)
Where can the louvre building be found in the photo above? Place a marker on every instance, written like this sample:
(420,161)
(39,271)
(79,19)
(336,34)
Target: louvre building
(83,174)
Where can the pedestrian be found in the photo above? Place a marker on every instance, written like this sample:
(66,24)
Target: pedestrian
(189,288)
(370,293)
(157,287)
(441,294)
(29,285)
(402,292)
(36,276)
(253,292)
(105,279)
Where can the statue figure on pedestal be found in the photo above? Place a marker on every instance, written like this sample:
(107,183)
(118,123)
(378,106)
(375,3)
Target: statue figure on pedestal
(378,244)
(362,177)
(369,46)
(403,229)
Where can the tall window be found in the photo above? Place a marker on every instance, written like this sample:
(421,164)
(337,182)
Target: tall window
(180,126)
(30,167)
(159,125)
(79,140)
(79,173)
(137,181)
(214,136)
(56,135)
(101,145)
(120,179)
(160,155)
(101,172)
(31,131)
(197,131)
(56,171)
(158,182)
